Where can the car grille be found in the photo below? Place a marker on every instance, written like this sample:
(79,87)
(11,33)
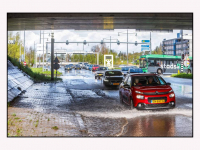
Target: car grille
(155,93)
(157,105)
(156,98)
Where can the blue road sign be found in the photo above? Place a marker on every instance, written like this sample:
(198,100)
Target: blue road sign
(145,49)
(144,45)
(145,41)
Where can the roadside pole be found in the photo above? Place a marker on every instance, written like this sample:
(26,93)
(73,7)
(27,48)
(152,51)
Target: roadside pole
(52,56)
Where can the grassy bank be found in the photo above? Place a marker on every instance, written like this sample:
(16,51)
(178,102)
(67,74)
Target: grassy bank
(48,73)
(183,75)
(36,76)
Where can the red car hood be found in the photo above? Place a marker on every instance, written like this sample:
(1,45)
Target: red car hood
(161,88)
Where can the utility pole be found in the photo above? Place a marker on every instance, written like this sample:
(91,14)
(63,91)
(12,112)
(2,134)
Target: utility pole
(20,48)
(24,46)
(150,42)
(83,53)
(35,56)
(52,56)
(43,53)
(110,43)
(127,46)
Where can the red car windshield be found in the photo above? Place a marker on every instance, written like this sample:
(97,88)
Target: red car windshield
(147,81)
(96,66)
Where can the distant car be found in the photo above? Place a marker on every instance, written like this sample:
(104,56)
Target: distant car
(134,70)
(125,70)
(77,67)
(84,65)
(146,91)
(90,67)
(112,78)
(81,64)
(71,65)
(95,67)
(68,67)
(87,67)
(100,71)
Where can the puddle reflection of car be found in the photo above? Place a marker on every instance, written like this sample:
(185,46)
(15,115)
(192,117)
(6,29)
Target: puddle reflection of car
(146,91)
(77,67)
(68,67)
(112,78)
(100,71)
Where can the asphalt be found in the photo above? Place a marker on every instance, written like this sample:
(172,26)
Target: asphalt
(96,111)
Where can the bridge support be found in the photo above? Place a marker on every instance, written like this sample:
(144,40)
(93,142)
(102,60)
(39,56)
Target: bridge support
(52,56)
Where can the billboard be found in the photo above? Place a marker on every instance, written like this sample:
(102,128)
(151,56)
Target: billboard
(108,61)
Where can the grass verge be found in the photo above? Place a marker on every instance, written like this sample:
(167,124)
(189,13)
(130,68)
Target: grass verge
(183,75)
(36,76)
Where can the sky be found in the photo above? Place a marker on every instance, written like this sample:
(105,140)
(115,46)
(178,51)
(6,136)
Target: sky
(97,35)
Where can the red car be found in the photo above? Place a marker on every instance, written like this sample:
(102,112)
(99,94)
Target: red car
(146,91)
(95,67)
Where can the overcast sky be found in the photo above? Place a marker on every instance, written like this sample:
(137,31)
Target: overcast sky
(98,35)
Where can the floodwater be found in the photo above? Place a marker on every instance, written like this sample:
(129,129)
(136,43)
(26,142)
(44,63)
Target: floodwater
(98,111)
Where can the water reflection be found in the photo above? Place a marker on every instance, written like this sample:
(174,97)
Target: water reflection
(157,126)
(182,90)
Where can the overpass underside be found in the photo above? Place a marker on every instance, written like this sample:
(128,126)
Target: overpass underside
(99,21)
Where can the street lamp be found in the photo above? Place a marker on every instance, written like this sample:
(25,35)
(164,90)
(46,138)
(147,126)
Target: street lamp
(43,46)
(127,40)
(110,40)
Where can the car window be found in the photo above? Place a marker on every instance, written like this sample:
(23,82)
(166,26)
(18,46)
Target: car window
(148,81)
(113,73)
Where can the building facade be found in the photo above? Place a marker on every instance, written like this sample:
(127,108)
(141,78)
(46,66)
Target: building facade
(174,46)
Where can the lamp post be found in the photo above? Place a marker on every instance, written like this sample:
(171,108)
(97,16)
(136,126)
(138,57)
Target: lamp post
(127,40)
(110,40)
(43,46)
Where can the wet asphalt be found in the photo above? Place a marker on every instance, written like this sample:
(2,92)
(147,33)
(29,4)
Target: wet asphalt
(97,108)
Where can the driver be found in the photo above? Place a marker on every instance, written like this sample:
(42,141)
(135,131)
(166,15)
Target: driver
(150,80)
(137,82)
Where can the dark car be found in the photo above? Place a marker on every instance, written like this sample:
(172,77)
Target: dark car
(68,67)
(72,66)
(100,71)
(112,77)
(77,67)
(146,91)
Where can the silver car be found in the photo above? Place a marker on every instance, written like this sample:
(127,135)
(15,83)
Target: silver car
(99,73)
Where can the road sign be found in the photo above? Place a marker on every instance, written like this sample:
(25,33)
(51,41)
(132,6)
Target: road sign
(56,60)
(144,45)
(145,49)
(145,41)
(56,66)
(24,63)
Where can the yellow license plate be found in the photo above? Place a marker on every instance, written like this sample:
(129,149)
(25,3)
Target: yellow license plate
(157,101)
(115,83)
(100,74)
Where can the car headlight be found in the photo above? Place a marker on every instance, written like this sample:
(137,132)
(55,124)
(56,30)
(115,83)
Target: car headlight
(170,91)
(139,96)
(171,95)
(138,92)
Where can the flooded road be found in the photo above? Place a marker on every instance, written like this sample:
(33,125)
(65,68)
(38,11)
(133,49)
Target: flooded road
(95,110)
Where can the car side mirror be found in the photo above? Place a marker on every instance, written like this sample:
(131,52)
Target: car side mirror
(168,83)
(127,86)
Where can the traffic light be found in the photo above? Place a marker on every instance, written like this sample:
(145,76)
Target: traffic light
(182,56)
(118,42)
(136,43)
(84,42)
(101,41)
(67,42)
